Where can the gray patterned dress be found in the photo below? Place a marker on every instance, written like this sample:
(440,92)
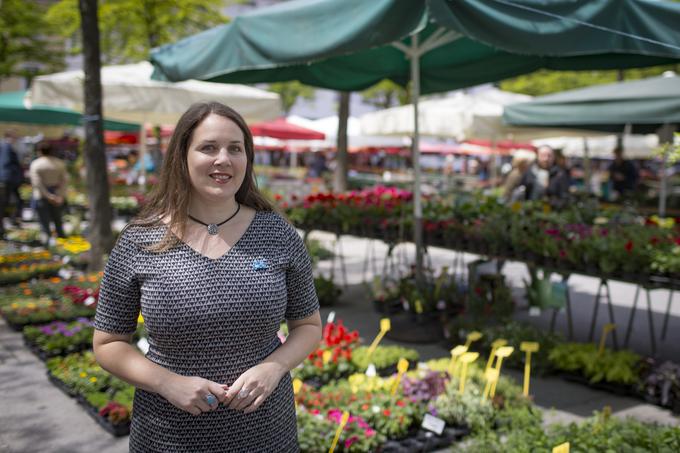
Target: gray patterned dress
(213,318)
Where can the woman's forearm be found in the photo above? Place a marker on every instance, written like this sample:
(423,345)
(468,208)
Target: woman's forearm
(126,362)
(301,341)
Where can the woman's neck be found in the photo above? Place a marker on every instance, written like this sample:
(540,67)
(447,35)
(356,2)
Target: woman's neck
(211,212)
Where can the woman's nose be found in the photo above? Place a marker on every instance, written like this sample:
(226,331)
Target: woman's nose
(223,157)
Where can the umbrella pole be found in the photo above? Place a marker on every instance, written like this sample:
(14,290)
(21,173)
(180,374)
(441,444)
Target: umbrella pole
(665,136)
(141,180)
(417,207)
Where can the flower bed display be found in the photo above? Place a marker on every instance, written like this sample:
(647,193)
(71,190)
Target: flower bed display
(59,338)
(580,238)
(48,300)
(332,359)
(22,266)
(617,371)
(106,398)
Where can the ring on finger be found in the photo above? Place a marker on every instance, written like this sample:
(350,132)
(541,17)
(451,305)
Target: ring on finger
(211,399)
(243,393)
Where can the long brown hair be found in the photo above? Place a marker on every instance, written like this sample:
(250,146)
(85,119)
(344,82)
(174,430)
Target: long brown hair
(170,197)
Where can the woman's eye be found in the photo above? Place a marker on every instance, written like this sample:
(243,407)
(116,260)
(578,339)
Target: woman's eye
(235,149)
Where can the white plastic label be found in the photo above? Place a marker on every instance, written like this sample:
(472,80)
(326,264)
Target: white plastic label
(143,345)
(371,371)
(434,424)
(89,301)
(331,317)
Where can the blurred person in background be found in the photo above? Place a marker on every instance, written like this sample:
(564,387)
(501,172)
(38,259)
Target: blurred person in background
(545,178)
(513,189)
(11,177)
(49,179)
(623,174)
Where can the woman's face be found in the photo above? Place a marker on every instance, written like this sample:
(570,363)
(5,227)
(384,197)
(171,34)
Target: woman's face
(216,159)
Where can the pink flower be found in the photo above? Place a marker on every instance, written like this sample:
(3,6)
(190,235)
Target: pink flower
(369,432)
(350,441)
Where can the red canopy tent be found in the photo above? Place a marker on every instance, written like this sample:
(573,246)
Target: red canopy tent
(282,129)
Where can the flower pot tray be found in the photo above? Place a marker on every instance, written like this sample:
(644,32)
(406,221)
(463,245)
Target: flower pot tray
(61,385)
(120,430)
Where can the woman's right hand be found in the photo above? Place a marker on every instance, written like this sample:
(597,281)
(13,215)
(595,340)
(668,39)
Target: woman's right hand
(189,393)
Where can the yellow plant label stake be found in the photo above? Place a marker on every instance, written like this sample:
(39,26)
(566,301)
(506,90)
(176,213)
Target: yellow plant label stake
(402,367)
(491,376)
(385,326)
(466,359)
(326,357)
(455,353)
(297,385)
(562,448)
(603,339)
(502,353)
(472,337)
(494,347)
(343,422)
(528,347)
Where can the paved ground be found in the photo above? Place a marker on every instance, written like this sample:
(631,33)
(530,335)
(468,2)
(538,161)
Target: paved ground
(36,417)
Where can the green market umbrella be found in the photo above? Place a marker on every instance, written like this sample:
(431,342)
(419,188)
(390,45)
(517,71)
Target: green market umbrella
(13,109)
(437,45)
(645,105)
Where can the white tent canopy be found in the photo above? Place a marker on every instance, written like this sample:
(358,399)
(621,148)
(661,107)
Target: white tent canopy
(329,126)
(634,146)
(129,94)
(460,116)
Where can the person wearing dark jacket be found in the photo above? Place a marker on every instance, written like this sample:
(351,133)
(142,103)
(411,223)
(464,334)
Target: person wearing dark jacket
(546,179)
(623,174)
(11,177)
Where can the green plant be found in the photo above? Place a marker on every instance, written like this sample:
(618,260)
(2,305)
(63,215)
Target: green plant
(383,357)
(619,367)
(327,291)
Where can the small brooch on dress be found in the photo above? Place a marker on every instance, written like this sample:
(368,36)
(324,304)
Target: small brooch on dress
(259,265)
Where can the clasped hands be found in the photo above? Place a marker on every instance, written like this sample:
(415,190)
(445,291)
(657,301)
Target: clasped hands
(197,395)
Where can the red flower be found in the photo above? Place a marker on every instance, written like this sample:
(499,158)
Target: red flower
(387,412)
(629,246)
(400,403)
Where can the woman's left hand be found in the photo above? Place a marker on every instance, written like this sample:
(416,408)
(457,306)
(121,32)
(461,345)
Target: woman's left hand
(254,386)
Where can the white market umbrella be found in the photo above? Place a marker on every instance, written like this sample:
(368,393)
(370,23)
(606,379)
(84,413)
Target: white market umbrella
(460,116)
(129,94)
(355,137)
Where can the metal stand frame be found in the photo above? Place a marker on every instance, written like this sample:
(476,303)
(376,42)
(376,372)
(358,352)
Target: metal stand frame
(603,284)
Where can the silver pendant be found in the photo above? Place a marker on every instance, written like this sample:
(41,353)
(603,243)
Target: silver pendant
(212,229)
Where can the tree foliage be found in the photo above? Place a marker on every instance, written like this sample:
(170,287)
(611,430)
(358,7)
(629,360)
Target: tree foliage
(290,92)
(26,45)
(386,94)
(131,28)
(545,82)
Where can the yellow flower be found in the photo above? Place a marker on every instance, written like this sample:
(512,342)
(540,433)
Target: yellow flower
(516,207)
(93,379)
(140,318)
(546,208)
(83,374)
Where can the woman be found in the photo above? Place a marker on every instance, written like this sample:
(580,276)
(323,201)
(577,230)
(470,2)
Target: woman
(49,179)
(520,164)
(214,271)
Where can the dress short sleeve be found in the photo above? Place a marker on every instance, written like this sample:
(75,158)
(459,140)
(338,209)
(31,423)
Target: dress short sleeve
(119,295)
(302,298)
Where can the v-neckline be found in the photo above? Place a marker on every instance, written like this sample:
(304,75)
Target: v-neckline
(228,252)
